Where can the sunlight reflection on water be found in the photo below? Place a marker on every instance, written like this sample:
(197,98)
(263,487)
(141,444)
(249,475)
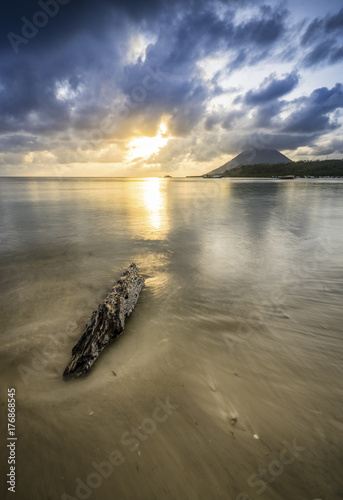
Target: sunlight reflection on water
(239,322)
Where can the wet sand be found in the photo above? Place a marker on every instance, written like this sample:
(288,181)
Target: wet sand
(226,382)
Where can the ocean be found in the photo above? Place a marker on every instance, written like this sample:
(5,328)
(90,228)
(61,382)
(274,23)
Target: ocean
(227,382)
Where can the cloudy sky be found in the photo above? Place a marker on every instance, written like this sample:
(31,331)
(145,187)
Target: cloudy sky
(144,88)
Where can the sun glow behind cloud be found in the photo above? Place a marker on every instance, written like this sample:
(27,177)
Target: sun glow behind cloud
(218,76)
(145,147)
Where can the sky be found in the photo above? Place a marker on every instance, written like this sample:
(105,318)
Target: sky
(155,87)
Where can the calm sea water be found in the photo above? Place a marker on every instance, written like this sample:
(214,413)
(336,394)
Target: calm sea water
(227,383)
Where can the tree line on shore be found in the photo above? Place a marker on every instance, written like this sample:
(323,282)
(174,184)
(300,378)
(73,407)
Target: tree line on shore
(316,168)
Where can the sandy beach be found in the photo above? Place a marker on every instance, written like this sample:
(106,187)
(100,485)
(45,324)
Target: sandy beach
(225,384)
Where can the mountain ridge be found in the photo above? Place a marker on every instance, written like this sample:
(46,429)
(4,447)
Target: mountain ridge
(252,156)
(307,168)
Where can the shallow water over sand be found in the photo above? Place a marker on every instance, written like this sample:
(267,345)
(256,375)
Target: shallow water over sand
(239,325)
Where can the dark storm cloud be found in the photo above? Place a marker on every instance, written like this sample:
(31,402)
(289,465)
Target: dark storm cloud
(212,120)
(75,16)
(82,69)
(203,32)
(83,49)
(229,143)
(272,88)
(18,143)
(30,84)
(335,22)
(262,140)
(320,52)
(264,102)
(265,114)
(262,30)
(312,32)
(318,27)
(315,115)
(179,47)
(324,40)
(327,51)
(282,142)
(227,120)
(26,96)
(314,111)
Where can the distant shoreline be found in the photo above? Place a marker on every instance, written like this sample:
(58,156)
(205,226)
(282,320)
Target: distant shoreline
(302,169)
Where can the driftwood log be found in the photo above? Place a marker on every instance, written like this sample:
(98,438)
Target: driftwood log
(106,323)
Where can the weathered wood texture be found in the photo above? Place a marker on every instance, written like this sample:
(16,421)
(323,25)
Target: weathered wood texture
(106,323)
